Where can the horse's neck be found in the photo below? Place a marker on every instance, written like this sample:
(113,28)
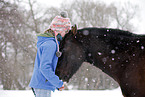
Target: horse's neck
(108,64)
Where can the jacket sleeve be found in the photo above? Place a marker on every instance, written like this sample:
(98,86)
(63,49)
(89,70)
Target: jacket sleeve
(48,53)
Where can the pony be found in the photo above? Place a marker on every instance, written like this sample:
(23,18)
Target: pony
(118,53)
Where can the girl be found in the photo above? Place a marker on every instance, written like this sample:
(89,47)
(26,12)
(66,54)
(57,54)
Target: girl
(44,79)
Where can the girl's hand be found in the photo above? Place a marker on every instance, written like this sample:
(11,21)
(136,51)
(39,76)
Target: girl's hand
(61,88)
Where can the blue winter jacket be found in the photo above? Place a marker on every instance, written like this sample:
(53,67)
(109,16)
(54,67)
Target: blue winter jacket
(45,64)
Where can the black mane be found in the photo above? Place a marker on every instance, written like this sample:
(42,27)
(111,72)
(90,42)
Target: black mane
(110,31)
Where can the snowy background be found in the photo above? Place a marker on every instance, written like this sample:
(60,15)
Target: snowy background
(139,20)
(18,55)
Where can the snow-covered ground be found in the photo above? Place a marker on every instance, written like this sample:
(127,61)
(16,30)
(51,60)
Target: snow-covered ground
(70,93)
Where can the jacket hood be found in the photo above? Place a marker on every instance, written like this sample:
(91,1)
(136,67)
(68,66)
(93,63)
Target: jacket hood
(42,39)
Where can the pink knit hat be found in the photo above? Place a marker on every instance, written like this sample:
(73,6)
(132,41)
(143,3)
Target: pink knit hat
(60,24)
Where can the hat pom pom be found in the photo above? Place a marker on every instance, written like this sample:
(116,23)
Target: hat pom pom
(64,14)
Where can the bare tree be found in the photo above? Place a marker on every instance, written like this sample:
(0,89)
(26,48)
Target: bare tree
(89,13)
(124,15)
(15,42)
(33,16)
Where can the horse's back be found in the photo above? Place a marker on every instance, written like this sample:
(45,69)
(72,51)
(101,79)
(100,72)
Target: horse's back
(109,31)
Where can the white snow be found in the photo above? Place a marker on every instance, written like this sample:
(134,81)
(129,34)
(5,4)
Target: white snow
(86,32)
(86,79)
(137,41)
(104,60)
(99,53)
(89,54)
(93,80)
(142,47)
(113,51)
(126,61)
(65,93)
(110,66)
(113,59)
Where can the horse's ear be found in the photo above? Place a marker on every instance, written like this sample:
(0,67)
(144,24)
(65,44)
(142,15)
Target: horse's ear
(74,29)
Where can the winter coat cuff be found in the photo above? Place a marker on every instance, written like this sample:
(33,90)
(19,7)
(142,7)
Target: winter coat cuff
(60,84)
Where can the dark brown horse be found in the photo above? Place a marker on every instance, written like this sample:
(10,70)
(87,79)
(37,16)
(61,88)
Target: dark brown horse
(120,54)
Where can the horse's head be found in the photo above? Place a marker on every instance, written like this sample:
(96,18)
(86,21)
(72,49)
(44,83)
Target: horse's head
(72,56)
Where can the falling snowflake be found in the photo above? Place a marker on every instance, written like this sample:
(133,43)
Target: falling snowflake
(82,41)
(89,54)
(127,61)
(93,80)
(104,60)
(99,53)
(3,54)
(142,47)
(86,32)
(96,36)
(86,79)
(137,41)
(116,47)
(110,66)
(113,59)
(113,51)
